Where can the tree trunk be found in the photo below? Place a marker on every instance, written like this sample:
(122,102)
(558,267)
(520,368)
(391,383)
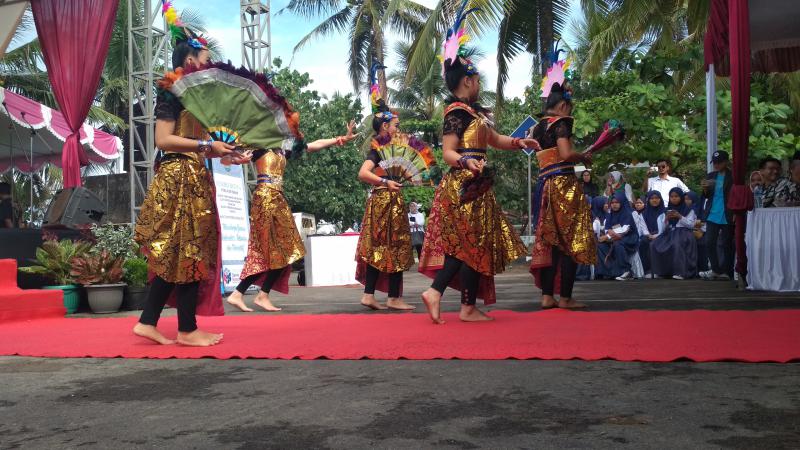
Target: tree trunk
(545,32)
(377,46)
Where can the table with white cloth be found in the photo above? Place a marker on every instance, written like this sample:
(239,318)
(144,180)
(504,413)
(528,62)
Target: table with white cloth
(773,249)
(331,260)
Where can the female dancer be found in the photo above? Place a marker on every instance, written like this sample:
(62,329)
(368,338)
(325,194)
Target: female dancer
(471,239)
(384,247)
(178,225)
(563,225)
(274,243)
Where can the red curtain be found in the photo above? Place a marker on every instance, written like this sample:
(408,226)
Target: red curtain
(74,35)
(739,37)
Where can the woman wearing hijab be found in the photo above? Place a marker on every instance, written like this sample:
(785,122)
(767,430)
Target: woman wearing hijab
(693,201)
(616,183)
(590,189)
(599,213)
(618,242)
(651,226)
(674,252)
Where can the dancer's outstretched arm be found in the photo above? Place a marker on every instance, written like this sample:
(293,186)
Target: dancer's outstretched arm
(167,140)
(320,144)
(502,142)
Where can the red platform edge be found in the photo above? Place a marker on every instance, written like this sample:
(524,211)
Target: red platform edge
(26,304)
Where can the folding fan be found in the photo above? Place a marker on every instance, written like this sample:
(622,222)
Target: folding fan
(407,160)
(236,106)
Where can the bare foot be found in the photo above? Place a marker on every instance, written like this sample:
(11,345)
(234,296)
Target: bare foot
(399,305)
(199,338)
(262,300)
(369,301)
(237,299)
(548,302)
(568,303)
(152,333)
(433,299)
(471,313)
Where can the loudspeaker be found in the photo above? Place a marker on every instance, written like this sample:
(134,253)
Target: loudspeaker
(74,208)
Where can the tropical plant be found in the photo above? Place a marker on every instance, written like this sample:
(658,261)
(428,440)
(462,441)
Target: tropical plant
(54,259)
(32,193)
(116,239)
(365,22)
(102,268)
(135,272)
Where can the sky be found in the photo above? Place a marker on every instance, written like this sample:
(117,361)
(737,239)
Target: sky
(326,59)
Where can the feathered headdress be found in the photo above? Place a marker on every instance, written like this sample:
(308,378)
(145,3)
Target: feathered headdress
(379,107)
(557,73)
(454,49)
(178,30)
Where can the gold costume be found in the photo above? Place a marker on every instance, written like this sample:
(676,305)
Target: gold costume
(274,240)
(178,223)
(564,214)
(385,241)
(475,232)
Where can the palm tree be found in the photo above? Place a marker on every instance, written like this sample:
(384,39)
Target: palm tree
(643,24)
(365,22)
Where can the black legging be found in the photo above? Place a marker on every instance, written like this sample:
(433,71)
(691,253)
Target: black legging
(157,298)
(568,270)
(271,278)
(469,279)
(395,281)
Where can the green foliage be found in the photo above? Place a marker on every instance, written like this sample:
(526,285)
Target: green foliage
(101,268)
(135,272)
(116,239)
(324,183)
(54,259)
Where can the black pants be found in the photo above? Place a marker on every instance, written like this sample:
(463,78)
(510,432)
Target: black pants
(395,282)
(271,278)
(568,270)
(160,291)
(719,239)
(418,248)
(469,279)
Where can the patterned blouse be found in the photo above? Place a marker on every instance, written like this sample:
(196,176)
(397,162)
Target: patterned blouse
(787,193)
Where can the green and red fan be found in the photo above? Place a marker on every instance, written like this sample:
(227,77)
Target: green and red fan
(407,160)
(236,106)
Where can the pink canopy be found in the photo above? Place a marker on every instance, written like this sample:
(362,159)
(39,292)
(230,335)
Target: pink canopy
(19,114)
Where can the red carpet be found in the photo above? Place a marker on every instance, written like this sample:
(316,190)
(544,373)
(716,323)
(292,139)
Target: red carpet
(18,304)
(753,336)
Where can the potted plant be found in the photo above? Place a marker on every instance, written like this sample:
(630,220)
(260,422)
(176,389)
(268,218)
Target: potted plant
(54,261)
(136,278)
(100,274)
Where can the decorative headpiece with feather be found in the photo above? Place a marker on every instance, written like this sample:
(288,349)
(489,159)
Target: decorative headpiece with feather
(454,52)
(557,73)
(178,31)
(379,107)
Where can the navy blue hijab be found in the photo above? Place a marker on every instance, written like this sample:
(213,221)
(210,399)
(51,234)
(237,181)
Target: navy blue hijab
(696,206)
(681,207)
(622,217)
(651,214)
(597,207)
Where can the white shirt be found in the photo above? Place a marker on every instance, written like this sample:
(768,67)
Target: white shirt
(641,225)
(418,224)
(665,185)
(686,221)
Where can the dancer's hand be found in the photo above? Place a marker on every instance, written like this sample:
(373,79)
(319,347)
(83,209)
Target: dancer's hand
(219,149)
(350,136)
(586,158)
(241,158)
(530,143)
(393,186)
(475,166)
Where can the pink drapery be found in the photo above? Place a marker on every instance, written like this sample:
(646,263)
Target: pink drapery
(74,35)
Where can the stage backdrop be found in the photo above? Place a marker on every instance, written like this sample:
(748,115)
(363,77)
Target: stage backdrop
(234,218)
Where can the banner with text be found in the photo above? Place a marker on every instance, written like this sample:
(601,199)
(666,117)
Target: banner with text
(234,219)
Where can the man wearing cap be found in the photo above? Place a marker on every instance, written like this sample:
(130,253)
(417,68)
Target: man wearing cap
(719,219)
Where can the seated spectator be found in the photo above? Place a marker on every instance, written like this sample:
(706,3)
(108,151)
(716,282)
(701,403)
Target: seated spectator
(599,213)
(664,182)
(590,189)
(757,187)
(674,252)
(693,201)
(770,173)
(651,226)
(615,182)
(787,192)
(618,242)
